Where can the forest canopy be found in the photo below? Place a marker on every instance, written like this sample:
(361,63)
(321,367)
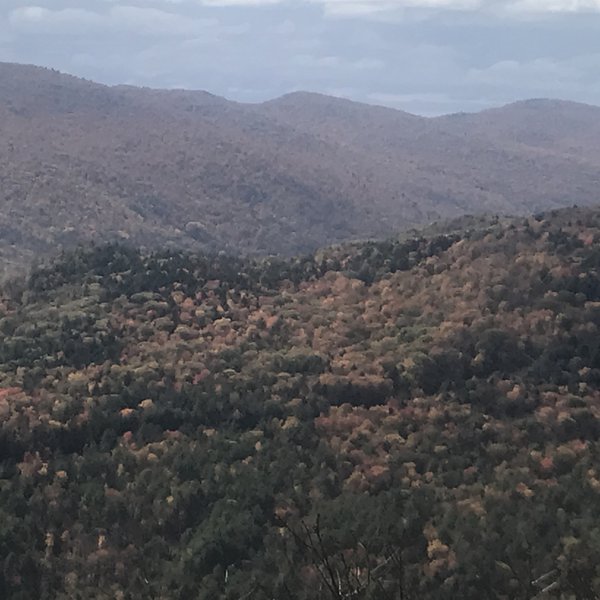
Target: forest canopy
(416,418)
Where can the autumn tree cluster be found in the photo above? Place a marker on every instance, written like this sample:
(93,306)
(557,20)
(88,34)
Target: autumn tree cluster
(414,419)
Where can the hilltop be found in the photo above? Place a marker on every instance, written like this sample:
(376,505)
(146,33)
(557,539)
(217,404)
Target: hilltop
(81,162)
(415,418)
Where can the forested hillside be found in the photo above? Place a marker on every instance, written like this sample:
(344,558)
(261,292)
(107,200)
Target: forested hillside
(83,162)
(410,419)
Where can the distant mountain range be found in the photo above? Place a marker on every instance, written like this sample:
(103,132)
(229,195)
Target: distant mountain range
(81,161)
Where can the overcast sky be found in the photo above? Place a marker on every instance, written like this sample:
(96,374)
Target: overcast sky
(424,56)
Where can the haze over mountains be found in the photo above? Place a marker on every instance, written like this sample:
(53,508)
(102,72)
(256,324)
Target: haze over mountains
(81,161)
(413,418)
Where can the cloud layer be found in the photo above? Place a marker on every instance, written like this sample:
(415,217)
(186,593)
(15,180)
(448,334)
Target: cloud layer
(426,56)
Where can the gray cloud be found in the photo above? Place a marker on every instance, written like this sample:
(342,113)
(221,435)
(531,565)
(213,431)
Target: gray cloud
(426,56)
(142,21)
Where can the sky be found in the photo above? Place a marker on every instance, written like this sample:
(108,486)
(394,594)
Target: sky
(425,56)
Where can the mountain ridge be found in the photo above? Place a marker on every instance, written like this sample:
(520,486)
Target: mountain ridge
(84,162)
(540,102)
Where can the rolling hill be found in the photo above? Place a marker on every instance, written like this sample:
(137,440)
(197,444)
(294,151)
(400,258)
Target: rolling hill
(85,162)
(414,419)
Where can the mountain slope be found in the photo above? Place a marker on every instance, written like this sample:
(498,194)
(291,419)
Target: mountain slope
(490,161)
(80,161)
(419,417)
(550,125)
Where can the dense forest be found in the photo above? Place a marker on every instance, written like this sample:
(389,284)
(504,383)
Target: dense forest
(412,419)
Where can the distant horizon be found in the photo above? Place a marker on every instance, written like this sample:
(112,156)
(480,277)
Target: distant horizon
(291,92)
(425,57)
